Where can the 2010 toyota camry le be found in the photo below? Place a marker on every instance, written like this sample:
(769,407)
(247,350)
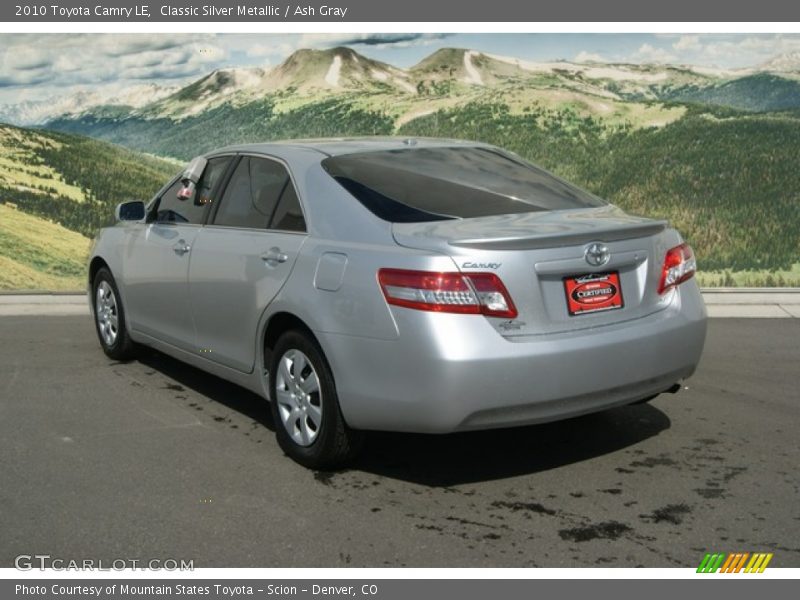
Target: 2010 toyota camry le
(416,285)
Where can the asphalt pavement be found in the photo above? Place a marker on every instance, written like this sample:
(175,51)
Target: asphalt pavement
(153,459)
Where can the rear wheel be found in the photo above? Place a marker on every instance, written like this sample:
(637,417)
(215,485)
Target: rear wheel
(308,422)
(109,318)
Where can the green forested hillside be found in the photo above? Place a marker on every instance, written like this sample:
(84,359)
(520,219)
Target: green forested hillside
(759,93)
(730,184)
(56,191)
(726,177)
(728,180)
(74,180)
(226,124)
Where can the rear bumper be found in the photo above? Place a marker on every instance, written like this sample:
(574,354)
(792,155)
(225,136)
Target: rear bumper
(450,372)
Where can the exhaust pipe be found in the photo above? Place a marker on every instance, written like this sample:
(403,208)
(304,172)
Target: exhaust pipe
(673,389)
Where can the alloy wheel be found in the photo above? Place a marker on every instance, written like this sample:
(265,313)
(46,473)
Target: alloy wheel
(106,313)
(298,397)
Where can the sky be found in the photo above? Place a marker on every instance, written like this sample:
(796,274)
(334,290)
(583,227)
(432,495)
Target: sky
(41,66)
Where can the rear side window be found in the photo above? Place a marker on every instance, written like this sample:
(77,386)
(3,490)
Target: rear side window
(260,195)
(288,214)
(252,194)
(192,210)
(427,184)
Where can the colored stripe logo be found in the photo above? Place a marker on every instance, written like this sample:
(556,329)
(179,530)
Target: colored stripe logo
(736,562)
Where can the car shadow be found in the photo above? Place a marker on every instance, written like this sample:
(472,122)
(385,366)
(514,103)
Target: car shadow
(212,387)
(443,461)
(459,458)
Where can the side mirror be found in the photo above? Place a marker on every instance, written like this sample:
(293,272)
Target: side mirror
(130,211)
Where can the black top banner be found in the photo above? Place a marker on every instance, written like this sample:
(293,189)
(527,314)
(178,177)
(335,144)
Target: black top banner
(337,11)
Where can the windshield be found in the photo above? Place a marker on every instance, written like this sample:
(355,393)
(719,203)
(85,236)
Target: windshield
(427,184)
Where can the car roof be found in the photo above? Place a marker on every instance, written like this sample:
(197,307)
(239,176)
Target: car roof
(339,146)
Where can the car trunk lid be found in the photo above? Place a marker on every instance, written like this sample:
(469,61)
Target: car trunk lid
(533,254)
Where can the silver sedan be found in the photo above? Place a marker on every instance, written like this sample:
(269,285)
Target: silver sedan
(406,285)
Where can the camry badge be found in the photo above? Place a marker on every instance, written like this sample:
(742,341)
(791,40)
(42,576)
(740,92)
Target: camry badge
(597,254)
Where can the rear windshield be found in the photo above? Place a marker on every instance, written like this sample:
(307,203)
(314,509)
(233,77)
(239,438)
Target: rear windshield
(429,184)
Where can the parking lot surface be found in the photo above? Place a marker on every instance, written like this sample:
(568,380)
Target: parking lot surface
(153,459)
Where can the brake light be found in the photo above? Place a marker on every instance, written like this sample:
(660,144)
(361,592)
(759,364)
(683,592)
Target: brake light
(453,292)
(679,265)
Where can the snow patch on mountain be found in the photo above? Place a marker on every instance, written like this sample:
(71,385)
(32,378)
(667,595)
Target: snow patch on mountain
(332,76)
(588,70)
(473,75)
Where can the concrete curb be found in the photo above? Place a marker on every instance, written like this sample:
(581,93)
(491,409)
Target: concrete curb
(740,303)
(759,303)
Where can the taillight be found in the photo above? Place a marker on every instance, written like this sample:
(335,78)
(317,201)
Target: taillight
(679,265)
(468,293)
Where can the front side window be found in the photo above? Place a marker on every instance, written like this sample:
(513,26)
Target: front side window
(260,195)
(428,184)
(172,209)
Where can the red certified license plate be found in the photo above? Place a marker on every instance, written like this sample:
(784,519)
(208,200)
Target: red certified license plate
(593,292)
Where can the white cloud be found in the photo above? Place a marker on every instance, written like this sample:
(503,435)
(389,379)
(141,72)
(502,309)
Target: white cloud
(375,40)
(730,50)
(64,60)
(276,50)
(650,54)
(259,50)
(757,48)
(716,49)
(583,57)
(687,42)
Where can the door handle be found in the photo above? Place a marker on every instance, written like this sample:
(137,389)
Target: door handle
(274,256)
(181,247)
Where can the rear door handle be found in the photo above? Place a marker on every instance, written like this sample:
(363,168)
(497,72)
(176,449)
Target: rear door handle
(181,247)
(274,256)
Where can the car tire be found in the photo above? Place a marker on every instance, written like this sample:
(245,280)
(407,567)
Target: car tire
(309,425)
(109,318)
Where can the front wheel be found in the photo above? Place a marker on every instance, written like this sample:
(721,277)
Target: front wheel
(109,318)
(305,408)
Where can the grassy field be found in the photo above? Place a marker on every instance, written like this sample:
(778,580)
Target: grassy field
(56,191)
(36,254)
(21,167)
(778,278)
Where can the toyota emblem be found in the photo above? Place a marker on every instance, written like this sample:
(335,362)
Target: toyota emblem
(597,254)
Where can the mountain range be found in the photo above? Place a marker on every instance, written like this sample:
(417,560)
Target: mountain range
(38,112)
(317,73)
